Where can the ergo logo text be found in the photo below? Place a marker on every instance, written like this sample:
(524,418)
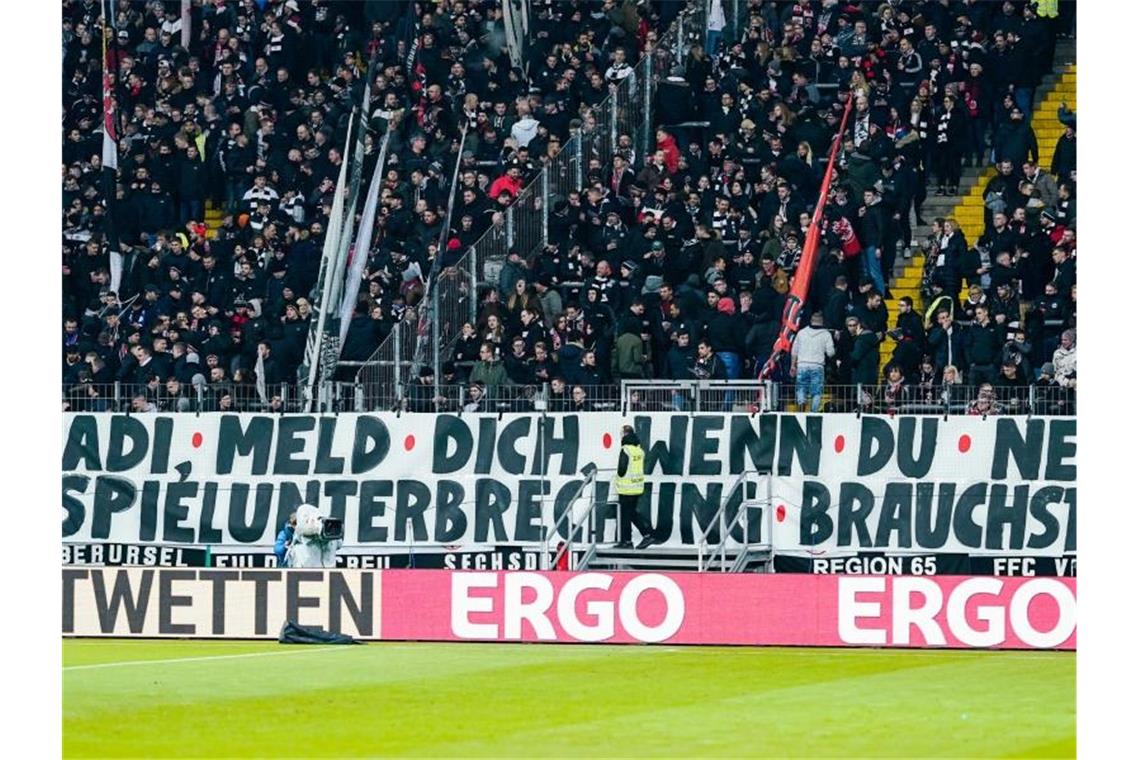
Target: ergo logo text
(596,624)
(915,602)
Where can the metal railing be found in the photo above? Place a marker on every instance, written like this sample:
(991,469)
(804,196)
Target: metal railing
(389,386)
(719,553)
(1038,400)
(125,397)
(737,396)
(385,375)
(566,548)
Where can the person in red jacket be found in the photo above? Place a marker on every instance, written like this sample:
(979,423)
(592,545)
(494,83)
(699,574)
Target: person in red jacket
(667,143)
(511,182)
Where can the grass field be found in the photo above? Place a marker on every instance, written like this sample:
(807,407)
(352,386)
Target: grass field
(240,699)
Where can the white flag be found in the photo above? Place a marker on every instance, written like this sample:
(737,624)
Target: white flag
(359,255)
(328,255)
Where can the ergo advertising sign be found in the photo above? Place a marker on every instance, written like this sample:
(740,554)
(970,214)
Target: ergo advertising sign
(656,608)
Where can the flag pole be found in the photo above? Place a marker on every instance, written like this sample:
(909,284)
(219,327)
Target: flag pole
(797,297)
(110,158)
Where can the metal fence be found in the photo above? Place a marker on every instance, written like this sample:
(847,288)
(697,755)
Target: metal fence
(379,390)
(1039,400)
(735,396)
(181,397)
(383,377)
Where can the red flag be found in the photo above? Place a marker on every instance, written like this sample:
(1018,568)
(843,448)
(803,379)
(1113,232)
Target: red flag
(790,322)
(110,137)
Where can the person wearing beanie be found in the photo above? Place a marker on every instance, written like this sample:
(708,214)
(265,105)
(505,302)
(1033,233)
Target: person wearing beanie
(630,485)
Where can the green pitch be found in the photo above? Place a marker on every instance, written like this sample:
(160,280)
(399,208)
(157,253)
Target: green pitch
(235,699)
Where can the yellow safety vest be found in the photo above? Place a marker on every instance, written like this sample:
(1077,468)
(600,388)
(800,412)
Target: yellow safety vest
(633,482)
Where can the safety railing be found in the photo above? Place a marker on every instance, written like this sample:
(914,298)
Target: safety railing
(957,398)
(384,375)
(747,550)
(425,397)
(390,386)
(748,396)
(167,397)
(719,553)
(566,547)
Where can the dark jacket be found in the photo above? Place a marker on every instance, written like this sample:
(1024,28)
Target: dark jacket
(865,359)
(983,346)
(726,332)
(947,349)
(873,229)
(1015,142)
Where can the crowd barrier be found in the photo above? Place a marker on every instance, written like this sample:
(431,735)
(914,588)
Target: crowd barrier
(389,385)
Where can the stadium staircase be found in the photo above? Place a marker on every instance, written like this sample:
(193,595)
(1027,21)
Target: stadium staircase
(968,209)
(214,216)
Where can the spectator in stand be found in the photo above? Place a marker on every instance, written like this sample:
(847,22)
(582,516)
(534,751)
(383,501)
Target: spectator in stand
(810,351)
(895,391)
(488,372)
(947,341)
(1010,389)
(986,402)
(953,395)
(950,141)
(1065,360)
(476,398)
(865,357)
(873,234)
(910,338)
(252,117)
(983,348)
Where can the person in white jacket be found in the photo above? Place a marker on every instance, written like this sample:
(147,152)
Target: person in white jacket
(308,548)
(1065,360)
(525,129)
(811,349)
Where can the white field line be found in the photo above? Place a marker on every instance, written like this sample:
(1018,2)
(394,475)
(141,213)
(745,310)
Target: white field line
(173,660)
(807,652)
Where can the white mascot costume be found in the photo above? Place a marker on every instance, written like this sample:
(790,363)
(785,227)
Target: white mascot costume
(308,548)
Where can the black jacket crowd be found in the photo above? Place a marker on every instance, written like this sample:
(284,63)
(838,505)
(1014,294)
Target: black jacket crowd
(674,264)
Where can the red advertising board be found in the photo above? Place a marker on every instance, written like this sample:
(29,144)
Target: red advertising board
(692,608)
(610,607)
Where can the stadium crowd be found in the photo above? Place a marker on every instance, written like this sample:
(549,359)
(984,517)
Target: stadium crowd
(674,264)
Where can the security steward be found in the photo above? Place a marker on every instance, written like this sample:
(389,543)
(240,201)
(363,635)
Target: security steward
(630,485)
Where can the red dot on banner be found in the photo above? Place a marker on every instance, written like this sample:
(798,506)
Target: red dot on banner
(607,440)
(781,513)
(840,442)
(196,440)
(964,444)
(409,442)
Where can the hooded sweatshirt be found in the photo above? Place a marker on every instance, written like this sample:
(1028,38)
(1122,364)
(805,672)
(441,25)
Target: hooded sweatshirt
(812,347)
(524,130)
